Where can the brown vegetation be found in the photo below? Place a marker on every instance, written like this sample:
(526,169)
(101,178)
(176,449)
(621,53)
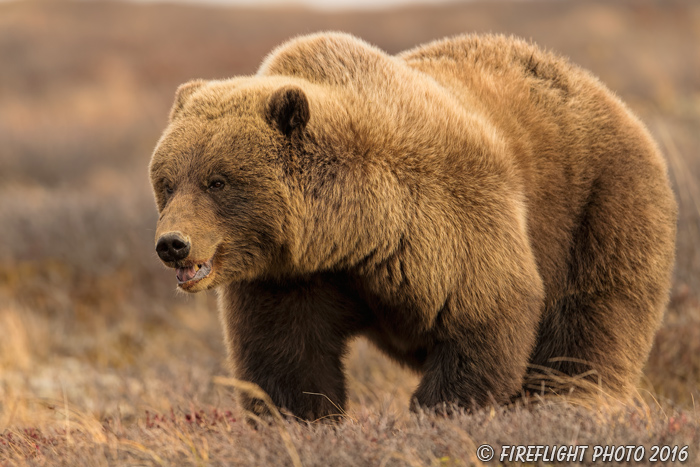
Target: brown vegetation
(102,362)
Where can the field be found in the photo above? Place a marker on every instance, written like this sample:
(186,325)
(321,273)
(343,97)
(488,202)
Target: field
(102,362)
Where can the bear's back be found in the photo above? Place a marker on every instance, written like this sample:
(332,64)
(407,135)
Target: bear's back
(573,141)
(569,138)
(497,55)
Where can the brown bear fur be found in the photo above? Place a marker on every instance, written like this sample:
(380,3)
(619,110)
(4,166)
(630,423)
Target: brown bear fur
(475,207)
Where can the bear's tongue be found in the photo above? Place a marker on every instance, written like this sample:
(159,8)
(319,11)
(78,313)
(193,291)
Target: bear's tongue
(186,274)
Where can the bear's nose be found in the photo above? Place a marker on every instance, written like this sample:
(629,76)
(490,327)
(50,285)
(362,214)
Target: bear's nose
(172,247)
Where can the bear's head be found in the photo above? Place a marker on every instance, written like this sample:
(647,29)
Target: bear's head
(219,178)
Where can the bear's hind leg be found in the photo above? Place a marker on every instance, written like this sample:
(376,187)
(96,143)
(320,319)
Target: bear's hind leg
(591,343)
(601,329)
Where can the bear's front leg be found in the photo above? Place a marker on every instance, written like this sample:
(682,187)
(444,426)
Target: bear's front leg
(477,361)
(289,337)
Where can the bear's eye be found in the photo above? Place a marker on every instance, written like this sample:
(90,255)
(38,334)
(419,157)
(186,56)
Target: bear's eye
(168,188)
(216,184)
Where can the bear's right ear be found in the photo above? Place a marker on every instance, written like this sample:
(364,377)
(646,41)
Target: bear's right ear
(184,91)
(287,109)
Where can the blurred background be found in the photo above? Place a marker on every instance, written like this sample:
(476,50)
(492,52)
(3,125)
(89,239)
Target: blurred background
(89,317)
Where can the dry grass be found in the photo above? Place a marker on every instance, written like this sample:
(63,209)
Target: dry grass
(101,362)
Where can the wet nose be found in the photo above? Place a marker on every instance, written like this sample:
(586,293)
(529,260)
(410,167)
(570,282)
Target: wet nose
(172,247)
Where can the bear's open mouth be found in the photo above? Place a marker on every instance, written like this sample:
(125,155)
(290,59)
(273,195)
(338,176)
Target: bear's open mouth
(194,273)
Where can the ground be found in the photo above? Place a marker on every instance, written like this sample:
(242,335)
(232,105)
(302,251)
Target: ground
(102,362)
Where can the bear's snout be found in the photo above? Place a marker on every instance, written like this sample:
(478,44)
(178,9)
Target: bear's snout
(172,247)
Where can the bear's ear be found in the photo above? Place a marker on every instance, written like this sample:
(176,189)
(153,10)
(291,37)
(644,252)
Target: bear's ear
(287,109)
(184,91)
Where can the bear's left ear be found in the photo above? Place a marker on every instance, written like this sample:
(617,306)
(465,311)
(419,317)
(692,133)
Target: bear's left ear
(287,109)
(182,95)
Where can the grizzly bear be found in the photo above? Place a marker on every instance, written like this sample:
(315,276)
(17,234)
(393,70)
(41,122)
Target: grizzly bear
(481,210)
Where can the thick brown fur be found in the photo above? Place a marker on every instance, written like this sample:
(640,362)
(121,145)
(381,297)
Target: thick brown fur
(475,207)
